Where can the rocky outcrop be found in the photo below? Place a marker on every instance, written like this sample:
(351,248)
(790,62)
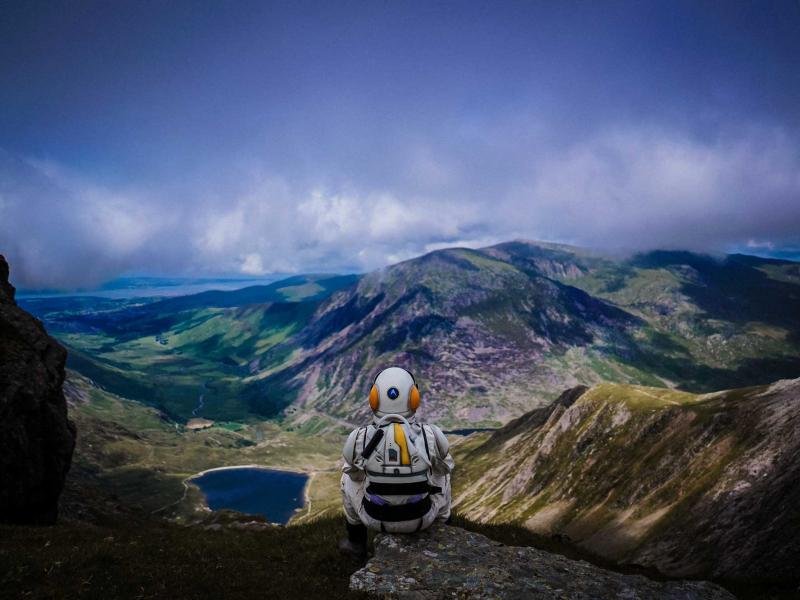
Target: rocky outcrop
(449,562)
(36,438)
(692,485)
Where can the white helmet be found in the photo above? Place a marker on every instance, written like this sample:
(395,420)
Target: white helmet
(394,392)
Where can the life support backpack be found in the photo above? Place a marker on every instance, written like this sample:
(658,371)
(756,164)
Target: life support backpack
(397,462)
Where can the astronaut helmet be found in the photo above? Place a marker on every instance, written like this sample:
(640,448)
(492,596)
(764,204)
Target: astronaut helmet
(394,392)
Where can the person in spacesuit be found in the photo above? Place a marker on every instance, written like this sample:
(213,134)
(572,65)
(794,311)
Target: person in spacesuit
(396,473)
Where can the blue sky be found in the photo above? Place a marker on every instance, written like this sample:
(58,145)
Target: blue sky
(249,137)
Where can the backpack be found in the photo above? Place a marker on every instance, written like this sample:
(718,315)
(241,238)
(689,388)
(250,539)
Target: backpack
(397,462)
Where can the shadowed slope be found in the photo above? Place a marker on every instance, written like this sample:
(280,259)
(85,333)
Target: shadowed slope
(36,438)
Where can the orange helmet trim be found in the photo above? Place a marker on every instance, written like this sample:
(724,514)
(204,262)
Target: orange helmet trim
(413,397)
(374,398)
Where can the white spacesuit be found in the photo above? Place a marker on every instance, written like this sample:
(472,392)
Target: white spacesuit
(396,473)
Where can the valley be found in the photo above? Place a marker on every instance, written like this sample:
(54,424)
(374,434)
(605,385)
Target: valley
(642,449)
(129,459)
(402,300)
(490,333)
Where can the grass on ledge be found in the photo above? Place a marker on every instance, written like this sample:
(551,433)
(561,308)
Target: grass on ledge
(151,559)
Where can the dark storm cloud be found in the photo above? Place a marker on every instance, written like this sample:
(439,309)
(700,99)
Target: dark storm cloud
(178,138)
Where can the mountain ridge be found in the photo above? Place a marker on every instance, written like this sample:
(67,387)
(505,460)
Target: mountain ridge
(694,485)
(490,333)
(543,319)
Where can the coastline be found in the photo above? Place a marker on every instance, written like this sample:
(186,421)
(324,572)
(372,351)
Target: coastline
(306,498)
(251,466)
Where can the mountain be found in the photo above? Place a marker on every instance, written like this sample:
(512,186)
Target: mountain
(479,333)
(713,321)
(492,333)
(36,438)
(694,485)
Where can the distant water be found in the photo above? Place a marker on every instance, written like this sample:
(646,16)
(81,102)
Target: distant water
(126,288)
(273,494)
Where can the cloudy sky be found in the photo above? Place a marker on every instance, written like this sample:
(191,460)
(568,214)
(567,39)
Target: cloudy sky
(252,137)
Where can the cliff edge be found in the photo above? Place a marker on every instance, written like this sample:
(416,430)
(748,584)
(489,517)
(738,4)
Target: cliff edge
(450,562)
(36,437)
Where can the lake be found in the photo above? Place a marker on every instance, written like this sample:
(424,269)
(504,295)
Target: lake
(272,494)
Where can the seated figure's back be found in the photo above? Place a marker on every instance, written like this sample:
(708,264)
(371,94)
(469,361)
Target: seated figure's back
(396,474)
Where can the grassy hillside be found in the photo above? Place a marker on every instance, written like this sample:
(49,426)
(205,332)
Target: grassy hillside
(139,559)
(713,322)
(651,476)
(132,459)
(187,356)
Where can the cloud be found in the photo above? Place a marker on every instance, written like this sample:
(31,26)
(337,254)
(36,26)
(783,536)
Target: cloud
(619,188)
(252,265)
(61,233)
(760,245)
(644,189)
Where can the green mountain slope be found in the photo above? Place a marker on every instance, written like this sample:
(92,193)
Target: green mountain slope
(189,355)
(492,333)
(714,321)
(131,459)
(691,484)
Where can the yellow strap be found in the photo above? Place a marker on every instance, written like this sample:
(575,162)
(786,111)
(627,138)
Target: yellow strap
(400,440)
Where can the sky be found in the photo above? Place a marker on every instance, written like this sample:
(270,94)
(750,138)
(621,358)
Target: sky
(246,138)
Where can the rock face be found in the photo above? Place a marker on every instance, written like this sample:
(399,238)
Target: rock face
(36,438)
(692,485)
(449,562)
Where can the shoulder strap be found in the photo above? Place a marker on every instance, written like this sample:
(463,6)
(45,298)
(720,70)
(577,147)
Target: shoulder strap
(425,439)
(362,436)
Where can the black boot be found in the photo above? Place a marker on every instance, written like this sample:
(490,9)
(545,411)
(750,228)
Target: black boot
(356,541)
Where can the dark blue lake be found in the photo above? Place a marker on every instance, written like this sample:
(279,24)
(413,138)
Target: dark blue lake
(272,494)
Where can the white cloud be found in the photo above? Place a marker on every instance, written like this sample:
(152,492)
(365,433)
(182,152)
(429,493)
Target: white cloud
(628,188)
(252,265)
(760,245)
(463,243)
(645,189)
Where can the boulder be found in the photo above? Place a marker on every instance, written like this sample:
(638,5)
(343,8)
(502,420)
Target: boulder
(450,562)
(36,437)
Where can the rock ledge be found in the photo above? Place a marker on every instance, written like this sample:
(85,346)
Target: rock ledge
(450,562)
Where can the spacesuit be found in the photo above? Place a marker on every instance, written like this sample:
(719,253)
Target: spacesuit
(396,473)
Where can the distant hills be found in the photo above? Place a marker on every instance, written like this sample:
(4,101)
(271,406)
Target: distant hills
(690,484)
(138,317)
(490,333)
